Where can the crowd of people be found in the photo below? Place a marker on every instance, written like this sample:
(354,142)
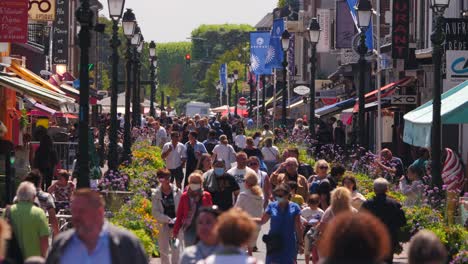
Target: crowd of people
(218,187)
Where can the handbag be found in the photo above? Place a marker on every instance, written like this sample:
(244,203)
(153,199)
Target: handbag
(274,243)
(13,253)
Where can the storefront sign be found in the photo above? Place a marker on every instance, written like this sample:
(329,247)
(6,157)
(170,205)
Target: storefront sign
(404,99)
(41,10)
(60,33)
(325,23)
(14,21)
(457,65)
(456,34)
(400,36)
(345,29)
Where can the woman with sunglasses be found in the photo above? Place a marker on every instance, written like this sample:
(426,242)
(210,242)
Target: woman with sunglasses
(285,234)
(165,201)
(263,179)
(207,233)
(321,170)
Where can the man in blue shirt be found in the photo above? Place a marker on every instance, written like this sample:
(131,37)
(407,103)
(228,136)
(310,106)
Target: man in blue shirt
(94,240)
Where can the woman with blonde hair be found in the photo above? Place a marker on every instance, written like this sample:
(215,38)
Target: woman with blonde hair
(251,201)
(340,203)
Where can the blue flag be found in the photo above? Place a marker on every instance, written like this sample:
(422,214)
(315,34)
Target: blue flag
(274,57)
(223,76)
(369,37)
(259,41)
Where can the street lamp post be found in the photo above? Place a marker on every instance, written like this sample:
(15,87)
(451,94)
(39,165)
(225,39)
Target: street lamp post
(264,82)
(115,12)
(85,17)
(129,26)
(437,38)
(236,90)
(251,91)
(285,45)
(137,38)
(314,37)
(154,61)
(364,11)
(229,95)
(139,50)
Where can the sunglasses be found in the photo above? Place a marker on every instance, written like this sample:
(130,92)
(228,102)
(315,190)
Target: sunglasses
(323,167)
(253,164)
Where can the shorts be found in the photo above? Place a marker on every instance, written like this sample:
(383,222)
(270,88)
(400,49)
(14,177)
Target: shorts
(177,174)
(310,240)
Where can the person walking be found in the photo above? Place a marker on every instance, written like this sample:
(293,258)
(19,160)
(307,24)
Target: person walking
(251,201)
(426,248)
(187,211)
(205,163)
(165,202)
(412,186)
(93,239)
(28,222)
(159,133)
(207,221)
(291,174)
(45,160)
(175,155)
(263,179)
(270,154)
(284,239)
(194,151)
(388,211)
(224,151)
(241,169)
(222,186)
(340,203)
(211,142)
(351,184)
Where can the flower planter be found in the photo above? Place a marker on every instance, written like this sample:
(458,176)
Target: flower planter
(115,199)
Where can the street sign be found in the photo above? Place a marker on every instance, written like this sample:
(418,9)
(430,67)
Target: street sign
(302,90)
(242,101)
(41,10)
(404,99)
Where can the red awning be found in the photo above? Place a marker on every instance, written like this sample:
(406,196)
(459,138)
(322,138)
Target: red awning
(240,111)
(385,91)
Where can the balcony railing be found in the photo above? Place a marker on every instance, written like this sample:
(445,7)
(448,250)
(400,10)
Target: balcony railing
(37,34)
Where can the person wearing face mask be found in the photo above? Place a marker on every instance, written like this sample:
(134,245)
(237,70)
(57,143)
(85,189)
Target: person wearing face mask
(221,185)
(187,211)
(284,239)
(165,201)
(206,230)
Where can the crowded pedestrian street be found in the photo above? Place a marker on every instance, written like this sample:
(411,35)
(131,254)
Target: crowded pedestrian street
(234,132)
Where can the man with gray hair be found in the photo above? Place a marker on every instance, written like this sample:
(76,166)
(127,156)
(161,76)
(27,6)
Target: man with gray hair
(387,210)
(29,222)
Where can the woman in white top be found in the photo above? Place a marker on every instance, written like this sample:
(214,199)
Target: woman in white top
(357,199)
(224,151)
(239,140)
(263,179)
(270,154)
(412,186)
(340,202)
(251,201)
(235,230)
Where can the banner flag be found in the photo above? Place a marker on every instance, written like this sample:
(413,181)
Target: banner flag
(274,57)
(258,51)
(223,76)
(369,36)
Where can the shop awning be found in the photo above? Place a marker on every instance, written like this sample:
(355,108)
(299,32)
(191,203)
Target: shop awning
(454,110)
(385,91)
(40,107)
(44,95)
(335,108)
(33,78)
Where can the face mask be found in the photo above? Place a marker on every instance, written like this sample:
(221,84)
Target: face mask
(219,171)
(280,199)
(195,186)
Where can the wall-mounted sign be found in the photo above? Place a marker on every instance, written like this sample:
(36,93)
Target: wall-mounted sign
(457,65)
(60,33)
(14,21)
(302,90)
(324,17)
(400,36)
(404,99)
(41,10)
(345,29)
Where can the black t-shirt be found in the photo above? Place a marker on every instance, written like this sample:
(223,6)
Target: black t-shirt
(168,204)
(223,197)
(253,152)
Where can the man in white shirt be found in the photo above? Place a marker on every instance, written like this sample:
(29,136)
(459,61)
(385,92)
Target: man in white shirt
(175,155)
(224,151)
(241,169)
(160,134)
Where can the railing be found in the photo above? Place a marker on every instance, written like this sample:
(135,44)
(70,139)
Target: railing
(37,34)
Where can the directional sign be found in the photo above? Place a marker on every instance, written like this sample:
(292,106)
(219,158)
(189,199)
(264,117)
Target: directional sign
(242,101)
(302,90)
(404,99)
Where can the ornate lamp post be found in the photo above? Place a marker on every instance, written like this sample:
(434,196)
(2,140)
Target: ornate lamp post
(364,11)
(314,37)
(154,62)
(115,12)
(285,45)
(264,82)
(230,81)
(129,25)
(84,15)
(236,90)
(136,40)
(437,39)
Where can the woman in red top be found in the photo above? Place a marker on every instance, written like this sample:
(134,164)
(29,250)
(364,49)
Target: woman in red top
(190,202)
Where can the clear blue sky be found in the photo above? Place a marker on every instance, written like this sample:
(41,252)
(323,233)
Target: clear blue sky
(174,20)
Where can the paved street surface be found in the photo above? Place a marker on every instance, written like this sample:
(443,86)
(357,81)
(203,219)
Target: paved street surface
(398,259)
